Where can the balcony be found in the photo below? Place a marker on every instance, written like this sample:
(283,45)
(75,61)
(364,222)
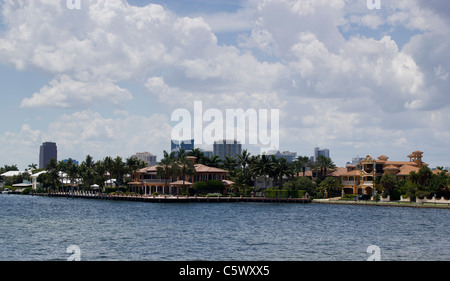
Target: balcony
(350,182)
(154,181)
(367,183)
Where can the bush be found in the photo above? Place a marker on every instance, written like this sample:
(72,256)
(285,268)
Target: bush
(26,191)
(276,193)
(211,186)
(422,194)
(350,196)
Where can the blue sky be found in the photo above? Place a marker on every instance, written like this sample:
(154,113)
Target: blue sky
(105,79)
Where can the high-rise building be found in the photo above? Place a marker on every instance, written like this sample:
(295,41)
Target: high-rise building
(73,161)
(288,155)
(187,145)
(227,148)
(321,152)
(48,151)
(147,157)
(355,161)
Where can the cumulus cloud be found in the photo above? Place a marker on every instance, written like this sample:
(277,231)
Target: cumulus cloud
(314,60)
(88,132)
(67,92)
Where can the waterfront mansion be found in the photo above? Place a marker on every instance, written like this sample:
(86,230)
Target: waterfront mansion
(147,181)
(359,179)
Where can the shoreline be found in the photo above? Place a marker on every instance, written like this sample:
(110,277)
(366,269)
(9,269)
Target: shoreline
(384,204)
(181,199)
(229,199)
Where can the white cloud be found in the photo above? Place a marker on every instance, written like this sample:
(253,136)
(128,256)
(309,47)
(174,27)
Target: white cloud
(330,87)
(25,139)
(88,132)
(67,93)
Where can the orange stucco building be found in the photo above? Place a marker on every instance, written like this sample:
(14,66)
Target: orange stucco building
(360,179)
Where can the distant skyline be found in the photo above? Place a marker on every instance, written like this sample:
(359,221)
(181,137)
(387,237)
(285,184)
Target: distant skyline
(104,80)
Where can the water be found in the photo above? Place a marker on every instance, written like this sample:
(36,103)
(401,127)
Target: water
(40,228)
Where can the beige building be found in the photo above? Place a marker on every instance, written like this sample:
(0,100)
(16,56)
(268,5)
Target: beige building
(147,157)
(360,179)
(147,181)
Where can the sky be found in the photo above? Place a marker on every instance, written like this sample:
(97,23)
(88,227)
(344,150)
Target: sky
(104,78)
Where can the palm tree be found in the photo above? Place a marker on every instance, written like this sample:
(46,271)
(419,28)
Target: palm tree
(52,172)
(213,161)
(62,169)
(100,171)
(281,168)
(300,164)
(314,167)
(186,168)
(108,164)
(132,164)
(86,171)
(243,161)
(181,153)
(118,169)
(166,168)
(325,163)
(262,166)
(197,153)
(229,164)
(32,167)
(72,171)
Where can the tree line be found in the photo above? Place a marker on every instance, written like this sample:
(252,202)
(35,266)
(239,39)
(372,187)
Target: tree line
(423,183)
(244,169)
(89,173)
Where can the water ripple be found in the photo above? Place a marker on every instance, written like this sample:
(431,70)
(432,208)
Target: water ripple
(39,228)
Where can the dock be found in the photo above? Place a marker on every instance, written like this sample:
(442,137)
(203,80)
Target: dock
(180,199)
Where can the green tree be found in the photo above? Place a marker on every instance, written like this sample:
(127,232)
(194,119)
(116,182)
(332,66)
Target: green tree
(325,164)
(262,166)
(32,166)
(119,169)
(166,168)
(108,165)
(388,184)
(86,171)
(101,174)
(300,164)
(331,185)
(212,161)
(301,183)
(132,164)
(281,168)
(424,176)
(185,168)
(198,154)
(72,171)
(230,165)
(52,175)
(243,160)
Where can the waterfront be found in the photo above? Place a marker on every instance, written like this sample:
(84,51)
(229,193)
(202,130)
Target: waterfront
(42,228)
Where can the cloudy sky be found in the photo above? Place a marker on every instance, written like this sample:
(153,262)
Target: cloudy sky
(104,79)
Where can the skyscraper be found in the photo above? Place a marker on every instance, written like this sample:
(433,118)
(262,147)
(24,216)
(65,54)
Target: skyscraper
(187,145)
(227,148)
(147,157)
(318,152)
(48,151)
